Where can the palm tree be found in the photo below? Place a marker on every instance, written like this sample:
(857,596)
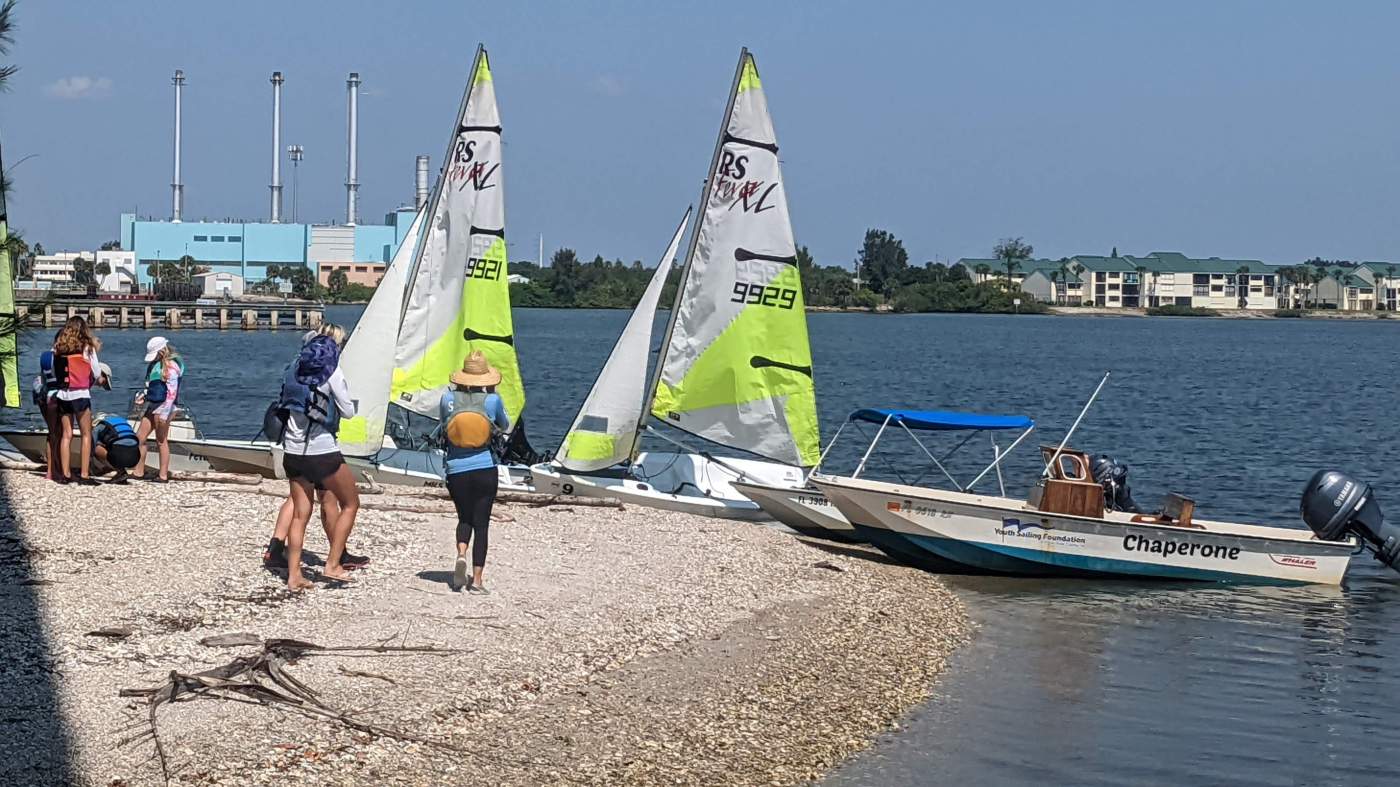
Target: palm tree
(1242,285)
(19,252)
(1055,287)
(1013,252)
(1389,277)
(1079,274)
(1142,275)
(982,270)
(1319,274)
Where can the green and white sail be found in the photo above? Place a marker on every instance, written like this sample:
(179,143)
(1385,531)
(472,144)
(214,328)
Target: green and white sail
(458,297)
(737,368)
(368,360)
(607,426)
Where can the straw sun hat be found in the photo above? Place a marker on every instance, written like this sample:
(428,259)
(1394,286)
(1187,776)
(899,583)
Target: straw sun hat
(476,372)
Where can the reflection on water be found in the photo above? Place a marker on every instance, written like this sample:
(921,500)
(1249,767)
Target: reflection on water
(1069,681)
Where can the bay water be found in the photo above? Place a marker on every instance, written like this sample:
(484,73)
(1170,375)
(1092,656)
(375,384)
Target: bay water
(1068,681)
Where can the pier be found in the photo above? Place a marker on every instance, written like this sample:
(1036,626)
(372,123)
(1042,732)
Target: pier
(155,314)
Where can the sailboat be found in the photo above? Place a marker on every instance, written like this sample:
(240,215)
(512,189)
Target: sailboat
(445,294)
(735,366)
(445,309)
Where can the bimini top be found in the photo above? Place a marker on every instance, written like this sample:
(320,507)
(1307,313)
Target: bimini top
(944,420)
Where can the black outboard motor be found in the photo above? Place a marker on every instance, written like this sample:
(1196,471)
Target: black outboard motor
(1336,506)
(1112,475)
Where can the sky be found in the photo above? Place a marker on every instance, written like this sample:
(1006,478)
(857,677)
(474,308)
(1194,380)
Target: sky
(1259,130)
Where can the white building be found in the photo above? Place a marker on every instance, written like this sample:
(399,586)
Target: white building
(220,284)
(58,267)
(123,267)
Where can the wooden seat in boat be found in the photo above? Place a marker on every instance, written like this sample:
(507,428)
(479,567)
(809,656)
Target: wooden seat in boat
(1070,487)
(1177,511)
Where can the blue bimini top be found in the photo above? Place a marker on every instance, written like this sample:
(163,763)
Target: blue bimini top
(942,420)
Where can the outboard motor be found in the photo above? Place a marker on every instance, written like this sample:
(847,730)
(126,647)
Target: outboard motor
(1112,475)
(1337,506)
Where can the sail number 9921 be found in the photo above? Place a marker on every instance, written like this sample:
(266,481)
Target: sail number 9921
(764,295)
(483,269)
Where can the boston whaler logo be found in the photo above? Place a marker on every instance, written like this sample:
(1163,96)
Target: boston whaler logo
(1294,561)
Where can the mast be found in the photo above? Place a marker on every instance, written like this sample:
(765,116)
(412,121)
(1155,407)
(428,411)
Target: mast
(432,206)
(690,251)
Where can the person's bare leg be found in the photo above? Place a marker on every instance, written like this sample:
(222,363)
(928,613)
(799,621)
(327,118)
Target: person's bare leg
(85,450)
(65,444)
(296,534)
(143,431)
(330,510)
(341,486)
(163,444)
(284,520)
(51,446)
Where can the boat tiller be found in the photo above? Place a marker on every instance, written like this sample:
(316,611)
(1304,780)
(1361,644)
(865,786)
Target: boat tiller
(1337,506)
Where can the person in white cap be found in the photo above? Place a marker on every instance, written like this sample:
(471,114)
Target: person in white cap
(164,368)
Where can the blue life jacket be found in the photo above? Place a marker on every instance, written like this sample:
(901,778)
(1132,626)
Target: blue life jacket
(319,408)
(114,430)
(48,375)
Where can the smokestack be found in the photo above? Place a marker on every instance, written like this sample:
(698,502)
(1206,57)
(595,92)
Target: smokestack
(420,182)
(177,188)
(352,165)
(276,212)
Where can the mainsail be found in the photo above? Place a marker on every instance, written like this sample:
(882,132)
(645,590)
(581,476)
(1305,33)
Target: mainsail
(607,425)
(458,296)
(368,360)
(737,368)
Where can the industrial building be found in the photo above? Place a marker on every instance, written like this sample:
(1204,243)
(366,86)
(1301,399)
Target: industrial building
(246,248)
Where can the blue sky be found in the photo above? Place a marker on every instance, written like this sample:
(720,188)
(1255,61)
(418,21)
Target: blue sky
(1243,129)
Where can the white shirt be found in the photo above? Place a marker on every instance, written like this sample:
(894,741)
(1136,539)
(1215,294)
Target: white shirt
(295,441)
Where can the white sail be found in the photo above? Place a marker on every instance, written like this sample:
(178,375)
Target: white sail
(459,296)
(606,427)
(368,360)
(737,369)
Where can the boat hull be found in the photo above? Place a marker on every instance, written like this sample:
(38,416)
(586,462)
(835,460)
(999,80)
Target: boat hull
(186,456)
(1001,535)
(423,469)
(803,509)
(689,483)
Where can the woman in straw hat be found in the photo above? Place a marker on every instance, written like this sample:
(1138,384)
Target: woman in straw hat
(471,414)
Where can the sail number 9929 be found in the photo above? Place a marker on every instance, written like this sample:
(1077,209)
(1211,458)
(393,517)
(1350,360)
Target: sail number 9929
(764,295)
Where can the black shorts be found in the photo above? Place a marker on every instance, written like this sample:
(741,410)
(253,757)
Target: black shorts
(73,406)
(313,468)
(123,456)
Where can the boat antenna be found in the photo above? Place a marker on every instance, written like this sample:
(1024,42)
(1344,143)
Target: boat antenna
(690,252)
(1055,457)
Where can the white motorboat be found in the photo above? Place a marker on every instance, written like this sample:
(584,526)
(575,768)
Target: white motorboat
(1069,526)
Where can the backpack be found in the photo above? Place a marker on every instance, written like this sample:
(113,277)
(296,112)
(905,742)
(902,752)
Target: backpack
(469,426)
(156,390)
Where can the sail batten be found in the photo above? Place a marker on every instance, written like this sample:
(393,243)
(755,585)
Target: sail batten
(737,365)
(458,298)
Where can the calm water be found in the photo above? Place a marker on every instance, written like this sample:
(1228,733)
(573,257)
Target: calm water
(1069,681)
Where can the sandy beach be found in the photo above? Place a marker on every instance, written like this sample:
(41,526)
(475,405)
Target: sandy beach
(618,646)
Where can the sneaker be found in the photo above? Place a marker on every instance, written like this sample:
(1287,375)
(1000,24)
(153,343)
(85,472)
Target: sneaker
(352,561)
(275,556)
(87,482)
(62,479)
(158,480)
(459,575)
(119,477)
(479,590)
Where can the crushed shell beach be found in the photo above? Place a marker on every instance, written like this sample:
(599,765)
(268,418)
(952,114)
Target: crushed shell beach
(145,644)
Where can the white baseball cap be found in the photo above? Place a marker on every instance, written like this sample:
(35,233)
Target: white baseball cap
(106,372)
(154,346)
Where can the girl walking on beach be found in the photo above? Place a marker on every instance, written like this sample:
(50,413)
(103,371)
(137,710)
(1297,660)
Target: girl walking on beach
(314,398)
(164,368)
(471,414)
(275,555)
(77,370)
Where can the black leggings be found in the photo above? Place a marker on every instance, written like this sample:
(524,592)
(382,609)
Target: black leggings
(473,493)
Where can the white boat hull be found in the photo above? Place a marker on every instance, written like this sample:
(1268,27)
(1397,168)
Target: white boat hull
(1007,536)
(186,456)
(803,509)
(689,483)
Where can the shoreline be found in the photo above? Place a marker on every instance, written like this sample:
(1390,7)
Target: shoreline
(618,646)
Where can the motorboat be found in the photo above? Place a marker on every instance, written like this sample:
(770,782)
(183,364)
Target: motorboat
(1079,522)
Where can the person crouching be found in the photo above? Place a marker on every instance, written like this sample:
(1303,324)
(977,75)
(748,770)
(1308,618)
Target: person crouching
(115,444)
